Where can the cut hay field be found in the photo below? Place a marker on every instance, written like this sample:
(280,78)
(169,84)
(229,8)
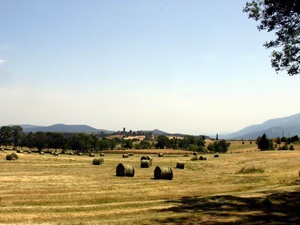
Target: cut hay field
(249,188)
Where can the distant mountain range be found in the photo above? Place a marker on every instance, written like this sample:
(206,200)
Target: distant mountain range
(287,127)
(63,128)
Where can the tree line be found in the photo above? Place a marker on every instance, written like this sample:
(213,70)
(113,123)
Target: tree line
(264,143)
(84,142)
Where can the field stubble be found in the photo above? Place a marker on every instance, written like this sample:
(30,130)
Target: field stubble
(68,189)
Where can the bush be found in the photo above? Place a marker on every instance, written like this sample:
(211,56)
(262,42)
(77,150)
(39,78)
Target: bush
(264,143)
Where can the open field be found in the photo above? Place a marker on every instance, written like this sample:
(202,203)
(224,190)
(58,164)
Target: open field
(68,189)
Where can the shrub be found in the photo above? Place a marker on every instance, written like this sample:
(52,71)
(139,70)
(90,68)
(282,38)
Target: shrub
(264,143)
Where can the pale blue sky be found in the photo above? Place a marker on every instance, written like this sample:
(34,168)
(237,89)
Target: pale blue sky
(195,67)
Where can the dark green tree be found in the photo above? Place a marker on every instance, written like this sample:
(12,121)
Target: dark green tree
(283,18)
(162,142)
(6,136)
(278,141)
(264,143)
(28,140)
(220,146)
(16,135)
(127,144)
(81,142)
(39,140)
(56,140)
(107,144)
(144,144)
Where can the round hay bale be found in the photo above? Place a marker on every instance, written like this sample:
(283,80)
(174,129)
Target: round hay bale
(194,158)
(98,161)
(42,153)
(130,154)
(163,172)
(19,151)
(125,155)
(195,153)
(146,157)
(180,165)
(145,163)
(56,154)
(101,154)
(216,155)
(29,152)
(12,156)
(202,158)
(160,154)
(79,153)
(125,170)
(92,155)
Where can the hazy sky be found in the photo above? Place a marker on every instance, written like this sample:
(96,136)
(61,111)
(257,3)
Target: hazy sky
(188,66)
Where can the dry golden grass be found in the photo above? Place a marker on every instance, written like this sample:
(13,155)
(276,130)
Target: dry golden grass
(68,189)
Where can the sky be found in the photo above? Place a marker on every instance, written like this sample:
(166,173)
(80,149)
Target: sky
(181,66)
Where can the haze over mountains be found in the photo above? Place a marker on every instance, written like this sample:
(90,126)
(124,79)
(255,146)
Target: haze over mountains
(287,126)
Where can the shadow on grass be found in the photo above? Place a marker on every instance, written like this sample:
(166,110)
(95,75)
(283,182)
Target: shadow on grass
(274,208)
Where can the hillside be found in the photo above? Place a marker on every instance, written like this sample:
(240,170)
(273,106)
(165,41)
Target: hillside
(61,128)
(286,126)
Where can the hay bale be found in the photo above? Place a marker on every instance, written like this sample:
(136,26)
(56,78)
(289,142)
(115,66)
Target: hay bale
(42,153)
(160,154)
(98,161)
(56,154)
(125,155)
(202,158)
(101,154)
(216,155)
(146,157)
(29,152)
(130,154)
(125,170)
(180,165)
(163,172)
(92,155)
(195,153)
(19,151)
(12,156)
(79,153)
(146,163)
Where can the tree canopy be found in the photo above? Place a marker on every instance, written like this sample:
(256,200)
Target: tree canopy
(282,17)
